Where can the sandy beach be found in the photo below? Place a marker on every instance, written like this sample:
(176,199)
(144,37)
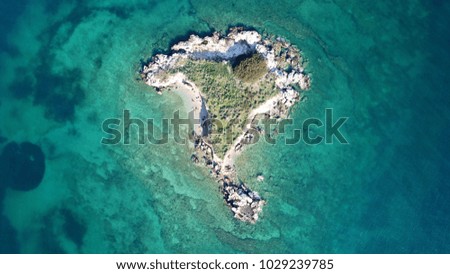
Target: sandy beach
(192,99)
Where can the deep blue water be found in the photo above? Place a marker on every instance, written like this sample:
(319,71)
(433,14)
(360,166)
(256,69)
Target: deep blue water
(68,65)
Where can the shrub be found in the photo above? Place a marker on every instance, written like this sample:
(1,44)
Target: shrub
(251,68)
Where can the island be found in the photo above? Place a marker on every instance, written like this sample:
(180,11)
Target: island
(231,82)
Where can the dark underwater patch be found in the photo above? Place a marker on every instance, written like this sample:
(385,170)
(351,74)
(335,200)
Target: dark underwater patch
(8,239)
(98,62)
(9,12)
(8,235)
(22,166)
(22,87)
(57,222)
(122,13)
(48,243)
(73,227)
(58,93)
(2,196)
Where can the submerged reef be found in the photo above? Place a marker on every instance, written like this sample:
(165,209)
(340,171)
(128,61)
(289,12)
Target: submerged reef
(22,166)
(230,81)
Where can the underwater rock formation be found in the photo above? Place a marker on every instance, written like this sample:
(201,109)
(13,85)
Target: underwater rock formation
(22,166)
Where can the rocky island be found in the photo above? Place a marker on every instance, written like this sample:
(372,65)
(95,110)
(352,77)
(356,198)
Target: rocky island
(229,82)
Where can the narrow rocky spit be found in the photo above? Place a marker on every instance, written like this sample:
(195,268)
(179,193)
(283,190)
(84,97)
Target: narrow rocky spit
(284,62)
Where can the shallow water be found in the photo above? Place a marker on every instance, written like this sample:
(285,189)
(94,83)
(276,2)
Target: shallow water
(68,65)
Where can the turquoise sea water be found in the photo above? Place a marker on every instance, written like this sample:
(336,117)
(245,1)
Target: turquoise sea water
(68,65)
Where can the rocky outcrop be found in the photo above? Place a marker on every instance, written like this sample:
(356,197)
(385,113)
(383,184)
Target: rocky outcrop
(245,204)
(284,65)
(283,60)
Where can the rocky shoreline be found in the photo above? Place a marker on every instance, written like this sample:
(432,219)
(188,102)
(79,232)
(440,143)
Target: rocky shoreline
(284,63)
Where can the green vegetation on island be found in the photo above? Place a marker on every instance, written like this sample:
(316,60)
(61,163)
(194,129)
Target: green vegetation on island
(230,94)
